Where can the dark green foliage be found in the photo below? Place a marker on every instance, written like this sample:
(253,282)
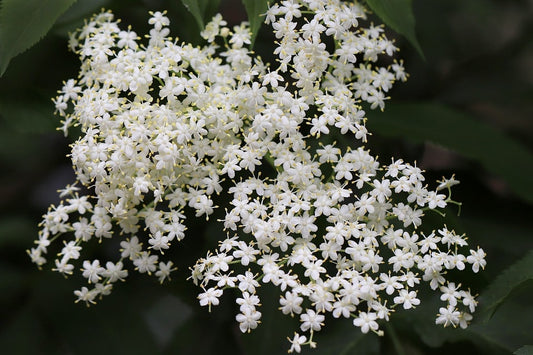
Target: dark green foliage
(24,23)
(398,14)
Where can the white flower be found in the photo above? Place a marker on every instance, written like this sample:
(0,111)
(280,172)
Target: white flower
(92,270)
(158,241)
(115,272)
(127,39)
(313,269)
(366,321)
(464,319)
(291,303)
(247,301)
(311,320)
(344,308)
(158,20)
(390,283)
(248,319)
(297,342)
(71,251)
(247,282)
(164,270)
(477,259)
(447,183)
(407,298)
(246,253)
(210,297)
(146,262)
(469,300)
(85,295)
(203,205)
(450,293)
(64,267)
(36,256)
(448,316)
(83,230)
(130,248)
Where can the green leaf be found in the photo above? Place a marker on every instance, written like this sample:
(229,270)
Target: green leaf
(497,337)
(254,10)
(524,350)
(194,8)
(505,283)
(75,17)
(455,130)
(201,10)
(82,9)
(398,14)
(24,23)
(510,327)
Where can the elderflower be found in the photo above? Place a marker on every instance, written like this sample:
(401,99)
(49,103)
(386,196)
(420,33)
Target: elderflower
(163,124)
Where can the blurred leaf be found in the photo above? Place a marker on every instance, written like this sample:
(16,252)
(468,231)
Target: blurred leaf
(398,14)
(201,10)
(81,9)
(458,131)
(505,283)
(525,350)
(511,326)
(254,10)
(24,23)
(194,8)
(422,321)
(75,16)
(165,316)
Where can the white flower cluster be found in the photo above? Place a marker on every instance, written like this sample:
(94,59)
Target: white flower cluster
(164,123)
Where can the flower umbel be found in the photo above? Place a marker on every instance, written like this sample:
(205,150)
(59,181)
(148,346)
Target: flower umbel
(163,124)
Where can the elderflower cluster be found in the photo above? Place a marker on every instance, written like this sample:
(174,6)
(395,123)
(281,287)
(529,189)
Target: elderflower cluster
(163,124)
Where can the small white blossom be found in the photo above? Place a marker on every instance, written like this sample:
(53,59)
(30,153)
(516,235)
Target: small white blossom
(366,321)
(311,320)
(477,259)
(407,298)
(297,342)
(210,297)
(92,271)
(448,316)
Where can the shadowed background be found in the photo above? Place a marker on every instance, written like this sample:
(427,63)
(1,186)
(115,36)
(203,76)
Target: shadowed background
(466,109)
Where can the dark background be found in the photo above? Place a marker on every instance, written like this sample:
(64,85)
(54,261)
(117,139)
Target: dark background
(479,62)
